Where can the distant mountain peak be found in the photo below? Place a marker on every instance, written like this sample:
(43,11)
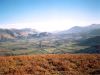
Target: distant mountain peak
(95,25)
(79,29)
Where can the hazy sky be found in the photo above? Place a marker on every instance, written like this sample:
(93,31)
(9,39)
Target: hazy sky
(48,15)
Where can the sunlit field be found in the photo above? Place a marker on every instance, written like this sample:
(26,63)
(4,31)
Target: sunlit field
(51,64)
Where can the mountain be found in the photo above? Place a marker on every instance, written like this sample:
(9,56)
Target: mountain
(24,32)
(12,34)
(93,26)
(8,34)
(92,43)
(95,32)
(75,29)
(78,29)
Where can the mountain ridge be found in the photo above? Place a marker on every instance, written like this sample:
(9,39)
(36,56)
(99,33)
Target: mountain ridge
(80,29)
(28,32)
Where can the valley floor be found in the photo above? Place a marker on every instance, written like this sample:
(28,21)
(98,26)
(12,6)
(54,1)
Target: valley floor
(51,64)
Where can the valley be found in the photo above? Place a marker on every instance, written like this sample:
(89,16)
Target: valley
(29,41)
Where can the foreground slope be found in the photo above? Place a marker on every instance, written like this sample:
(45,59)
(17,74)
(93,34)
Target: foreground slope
(51,64)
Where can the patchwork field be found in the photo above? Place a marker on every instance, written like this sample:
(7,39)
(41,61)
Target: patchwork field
(35,46)
(51,64)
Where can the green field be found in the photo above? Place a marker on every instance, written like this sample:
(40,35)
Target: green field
(37,46)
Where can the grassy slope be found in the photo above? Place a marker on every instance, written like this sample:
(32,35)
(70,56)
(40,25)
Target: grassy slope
(51,64)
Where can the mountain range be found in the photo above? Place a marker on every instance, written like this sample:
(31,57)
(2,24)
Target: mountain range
(79,29)
(12,34)
(6,34)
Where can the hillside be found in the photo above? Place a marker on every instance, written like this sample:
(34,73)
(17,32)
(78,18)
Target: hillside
(59,64)
(79,29)
(92,43)
(17,34)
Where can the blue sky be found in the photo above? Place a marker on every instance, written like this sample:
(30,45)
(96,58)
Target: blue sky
(48,15)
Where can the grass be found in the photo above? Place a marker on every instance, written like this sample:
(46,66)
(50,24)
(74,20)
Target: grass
(51,64)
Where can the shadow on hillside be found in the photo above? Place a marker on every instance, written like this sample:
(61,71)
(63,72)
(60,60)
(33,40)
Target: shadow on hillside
(90,50)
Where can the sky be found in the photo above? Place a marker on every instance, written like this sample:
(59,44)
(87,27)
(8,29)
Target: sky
(48,15)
